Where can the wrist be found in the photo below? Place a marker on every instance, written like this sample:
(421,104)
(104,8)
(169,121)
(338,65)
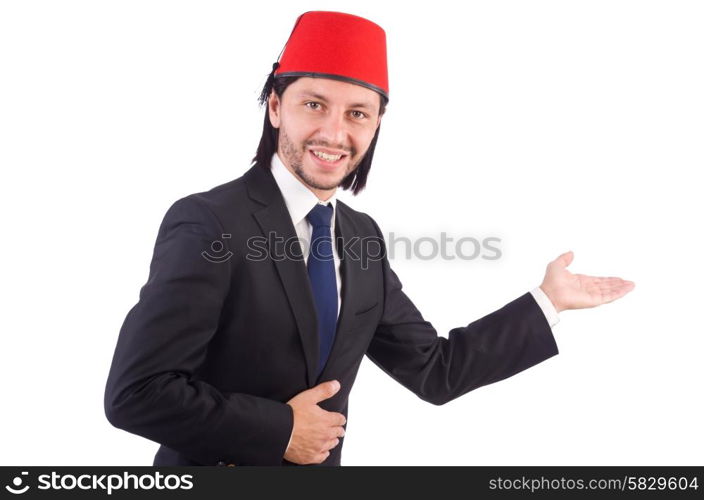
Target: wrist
(553,298)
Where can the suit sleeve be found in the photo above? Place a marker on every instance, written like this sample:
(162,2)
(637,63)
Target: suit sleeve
(437,369)
(151,389)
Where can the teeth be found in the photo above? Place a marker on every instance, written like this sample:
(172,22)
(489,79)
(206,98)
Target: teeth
(326,157)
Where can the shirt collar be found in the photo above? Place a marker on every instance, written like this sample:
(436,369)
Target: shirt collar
(298,198)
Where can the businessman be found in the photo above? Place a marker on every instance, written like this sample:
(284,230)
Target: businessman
(265,293)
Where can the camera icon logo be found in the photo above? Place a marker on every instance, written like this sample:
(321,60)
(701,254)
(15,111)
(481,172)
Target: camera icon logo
(17,483)
(218,256)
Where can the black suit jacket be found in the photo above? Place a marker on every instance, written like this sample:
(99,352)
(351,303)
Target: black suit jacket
(208,357)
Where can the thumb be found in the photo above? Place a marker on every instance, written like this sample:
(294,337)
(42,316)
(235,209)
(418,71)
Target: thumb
(565,259)
(325,390)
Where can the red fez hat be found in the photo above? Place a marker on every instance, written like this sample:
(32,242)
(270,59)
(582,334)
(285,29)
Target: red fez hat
(338,46)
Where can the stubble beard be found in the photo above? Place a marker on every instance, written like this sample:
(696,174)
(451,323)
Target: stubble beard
(294,157)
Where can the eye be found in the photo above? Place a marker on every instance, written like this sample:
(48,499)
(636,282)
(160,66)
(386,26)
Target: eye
(313,103)
(359,115)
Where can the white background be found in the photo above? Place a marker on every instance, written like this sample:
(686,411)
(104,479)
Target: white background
(553,125)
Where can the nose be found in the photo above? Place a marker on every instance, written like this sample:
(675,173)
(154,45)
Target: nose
(334,130)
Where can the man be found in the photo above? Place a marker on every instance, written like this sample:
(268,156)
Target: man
(243,348)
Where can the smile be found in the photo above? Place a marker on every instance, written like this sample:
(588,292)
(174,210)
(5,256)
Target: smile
(326,156)
(326,159)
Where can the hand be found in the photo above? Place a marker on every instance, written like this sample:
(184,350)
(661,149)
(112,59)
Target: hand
(578,291)
(315,431)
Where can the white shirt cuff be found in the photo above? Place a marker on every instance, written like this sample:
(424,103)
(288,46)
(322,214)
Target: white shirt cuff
(289,441)
(551,314)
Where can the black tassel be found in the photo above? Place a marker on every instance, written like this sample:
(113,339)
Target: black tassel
(264,96)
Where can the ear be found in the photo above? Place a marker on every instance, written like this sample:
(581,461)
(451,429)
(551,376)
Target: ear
(274,104)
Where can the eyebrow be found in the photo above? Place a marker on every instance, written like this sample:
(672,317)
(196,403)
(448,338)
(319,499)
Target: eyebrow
(364,105)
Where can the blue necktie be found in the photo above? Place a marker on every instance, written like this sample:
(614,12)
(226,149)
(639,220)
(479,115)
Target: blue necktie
(321,271)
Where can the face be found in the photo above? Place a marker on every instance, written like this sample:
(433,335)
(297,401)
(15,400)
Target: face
(325,129)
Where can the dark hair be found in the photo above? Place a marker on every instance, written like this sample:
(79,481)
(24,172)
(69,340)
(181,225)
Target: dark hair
(269,141)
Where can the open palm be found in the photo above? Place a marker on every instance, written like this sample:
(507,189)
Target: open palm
(578,291)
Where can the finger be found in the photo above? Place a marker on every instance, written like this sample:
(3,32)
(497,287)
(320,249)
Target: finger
(324,391)
(600,284)
(605,279)
(615,284)
(336,419)
(336,432)
(331,444)
(565,259)
(609,294)
(320,458)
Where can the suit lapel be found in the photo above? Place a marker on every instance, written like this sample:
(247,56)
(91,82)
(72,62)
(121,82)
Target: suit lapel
(275,221)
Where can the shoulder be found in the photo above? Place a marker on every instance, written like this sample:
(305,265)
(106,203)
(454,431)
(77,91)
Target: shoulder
(213,204)
(222,197)
(362,221)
